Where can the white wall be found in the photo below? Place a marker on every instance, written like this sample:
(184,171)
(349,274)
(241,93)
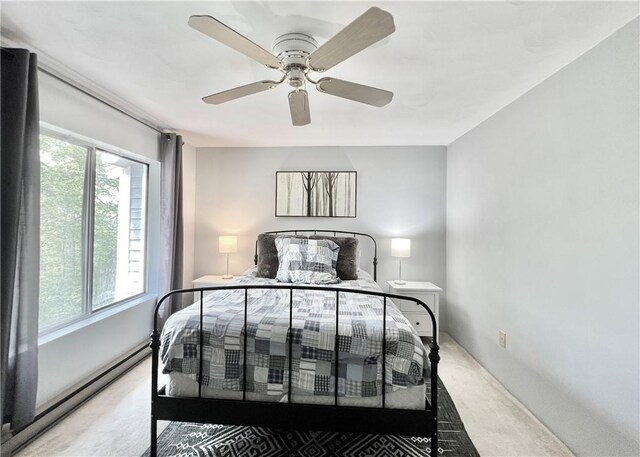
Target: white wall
(65,107)
(542,242)
(69,356)
(401,192)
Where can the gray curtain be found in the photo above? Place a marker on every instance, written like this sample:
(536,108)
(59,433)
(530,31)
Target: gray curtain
(171,231)
(20,246)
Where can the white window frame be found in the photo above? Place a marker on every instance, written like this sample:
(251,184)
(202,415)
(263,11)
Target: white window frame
(88,217)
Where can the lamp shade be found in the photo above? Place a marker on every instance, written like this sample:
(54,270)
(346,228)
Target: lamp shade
(228,244)
(400,247)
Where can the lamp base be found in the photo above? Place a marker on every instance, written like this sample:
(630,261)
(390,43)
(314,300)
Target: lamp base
(227,276)
(400,282)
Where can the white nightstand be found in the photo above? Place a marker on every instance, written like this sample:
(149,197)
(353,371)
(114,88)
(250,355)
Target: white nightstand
(210,280)
(428,293)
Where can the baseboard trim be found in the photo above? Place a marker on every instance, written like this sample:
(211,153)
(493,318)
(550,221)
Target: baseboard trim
(63,405)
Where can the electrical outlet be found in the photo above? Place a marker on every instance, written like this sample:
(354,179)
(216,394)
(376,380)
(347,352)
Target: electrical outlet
(502,339)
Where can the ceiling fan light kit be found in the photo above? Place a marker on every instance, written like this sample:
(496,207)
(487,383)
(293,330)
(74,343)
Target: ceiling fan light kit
(298,54)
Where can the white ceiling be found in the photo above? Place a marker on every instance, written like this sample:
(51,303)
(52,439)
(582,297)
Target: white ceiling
(451,65)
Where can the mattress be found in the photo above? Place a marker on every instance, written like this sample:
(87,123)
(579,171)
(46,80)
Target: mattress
(312,339)
(413,397)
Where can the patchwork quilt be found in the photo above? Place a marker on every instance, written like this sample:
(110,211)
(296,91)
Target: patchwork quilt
(313,341)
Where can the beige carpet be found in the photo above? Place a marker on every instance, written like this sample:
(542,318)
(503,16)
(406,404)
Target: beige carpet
(116,421)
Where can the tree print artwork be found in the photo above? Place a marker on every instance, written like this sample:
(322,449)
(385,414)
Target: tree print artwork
(316,193)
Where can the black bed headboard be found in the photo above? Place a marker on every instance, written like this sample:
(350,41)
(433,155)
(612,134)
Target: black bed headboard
(335,233)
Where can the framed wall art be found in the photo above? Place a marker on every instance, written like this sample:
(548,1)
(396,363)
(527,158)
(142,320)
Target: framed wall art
(316,193)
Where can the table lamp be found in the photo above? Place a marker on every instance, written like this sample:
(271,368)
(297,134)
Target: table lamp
(400,247)
(227,244)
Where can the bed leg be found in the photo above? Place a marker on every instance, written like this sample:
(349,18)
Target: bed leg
(434,358)
(153,448)
(155,346)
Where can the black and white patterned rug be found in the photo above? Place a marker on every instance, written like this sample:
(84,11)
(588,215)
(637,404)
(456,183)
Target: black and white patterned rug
(181,439)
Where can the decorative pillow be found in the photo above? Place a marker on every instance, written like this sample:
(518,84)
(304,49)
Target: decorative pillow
(348,257)
(268,254)
(307,261)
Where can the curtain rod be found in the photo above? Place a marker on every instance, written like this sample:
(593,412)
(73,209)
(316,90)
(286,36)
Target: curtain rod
(99,99)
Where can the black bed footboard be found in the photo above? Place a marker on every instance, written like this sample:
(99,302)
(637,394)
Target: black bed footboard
(377,420)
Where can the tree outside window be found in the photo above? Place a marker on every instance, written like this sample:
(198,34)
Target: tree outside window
(93,230)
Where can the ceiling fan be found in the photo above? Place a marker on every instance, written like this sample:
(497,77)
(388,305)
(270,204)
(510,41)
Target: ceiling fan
(297,54)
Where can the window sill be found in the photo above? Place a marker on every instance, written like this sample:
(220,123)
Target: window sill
(95,317)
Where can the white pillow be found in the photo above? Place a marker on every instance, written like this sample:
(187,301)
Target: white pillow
(306,261)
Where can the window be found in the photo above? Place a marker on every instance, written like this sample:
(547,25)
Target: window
(118,241)
(92,230)
(62,169)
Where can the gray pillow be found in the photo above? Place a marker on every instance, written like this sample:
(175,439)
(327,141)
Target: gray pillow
(347,265)
(268,254)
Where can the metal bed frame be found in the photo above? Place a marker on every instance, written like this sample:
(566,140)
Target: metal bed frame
(375,420)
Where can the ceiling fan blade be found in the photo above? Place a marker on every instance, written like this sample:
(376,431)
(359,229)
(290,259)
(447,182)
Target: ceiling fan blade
(356,92)
(237,92)
(374,25)
(225,35)
(299,107)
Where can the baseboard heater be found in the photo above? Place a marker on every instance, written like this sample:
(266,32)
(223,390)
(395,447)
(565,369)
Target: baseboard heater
(65,403)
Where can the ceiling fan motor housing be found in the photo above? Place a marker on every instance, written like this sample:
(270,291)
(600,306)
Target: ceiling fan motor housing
(293,49)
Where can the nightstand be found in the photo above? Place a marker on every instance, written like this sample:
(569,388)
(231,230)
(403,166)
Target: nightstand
(210,280)
(428,293)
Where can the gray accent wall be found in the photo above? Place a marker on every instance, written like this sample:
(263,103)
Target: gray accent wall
(542,243)
(401,193)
